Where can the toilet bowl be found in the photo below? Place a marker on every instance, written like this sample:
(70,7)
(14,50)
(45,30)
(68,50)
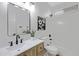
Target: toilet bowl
(50,47)
(52,50)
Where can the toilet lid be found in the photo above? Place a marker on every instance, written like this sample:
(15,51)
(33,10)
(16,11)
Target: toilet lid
(51,49)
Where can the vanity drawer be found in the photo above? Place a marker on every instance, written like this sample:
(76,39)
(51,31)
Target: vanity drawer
(41,53)
(30,52)
(40,48)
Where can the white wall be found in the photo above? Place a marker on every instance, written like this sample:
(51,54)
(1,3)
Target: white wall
(41,9)
(64,28)
(3,24)
(67,32)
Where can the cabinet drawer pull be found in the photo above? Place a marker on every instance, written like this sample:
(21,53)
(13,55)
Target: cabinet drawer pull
(40,47)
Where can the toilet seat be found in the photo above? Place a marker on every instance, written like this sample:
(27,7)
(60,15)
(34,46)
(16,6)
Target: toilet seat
(51,50)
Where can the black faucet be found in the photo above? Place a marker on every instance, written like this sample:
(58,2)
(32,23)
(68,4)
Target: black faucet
(17,37)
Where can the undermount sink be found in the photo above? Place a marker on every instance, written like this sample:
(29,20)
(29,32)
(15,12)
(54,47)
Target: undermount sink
(15,47)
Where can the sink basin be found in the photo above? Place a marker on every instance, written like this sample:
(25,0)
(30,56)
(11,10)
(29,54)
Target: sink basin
(15,47)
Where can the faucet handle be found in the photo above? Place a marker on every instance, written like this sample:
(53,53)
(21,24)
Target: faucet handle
(21,41)
(11,43)
(14,34)
(18,36)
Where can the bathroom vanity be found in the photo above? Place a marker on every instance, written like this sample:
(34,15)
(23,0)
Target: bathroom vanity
(37,50)
(29,47)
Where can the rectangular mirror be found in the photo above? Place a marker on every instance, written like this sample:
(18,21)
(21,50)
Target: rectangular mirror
(18,20)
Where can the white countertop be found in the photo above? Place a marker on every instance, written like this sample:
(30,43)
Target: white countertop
(17,49)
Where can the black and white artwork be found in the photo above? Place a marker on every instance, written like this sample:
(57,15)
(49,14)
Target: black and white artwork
(41,23)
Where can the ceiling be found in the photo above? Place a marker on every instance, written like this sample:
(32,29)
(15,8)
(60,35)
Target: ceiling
(60,5)
(54,3)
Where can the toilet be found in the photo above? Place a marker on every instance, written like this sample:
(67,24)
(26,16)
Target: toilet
(52,51)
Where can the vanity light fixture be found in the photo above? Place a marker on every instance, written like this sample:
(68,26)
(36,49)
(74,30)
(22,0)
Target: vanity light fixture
(30,6)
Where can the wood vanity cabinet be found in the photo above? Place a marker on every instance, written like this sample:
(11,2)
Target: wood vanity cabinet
(37,50)
(31,52)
